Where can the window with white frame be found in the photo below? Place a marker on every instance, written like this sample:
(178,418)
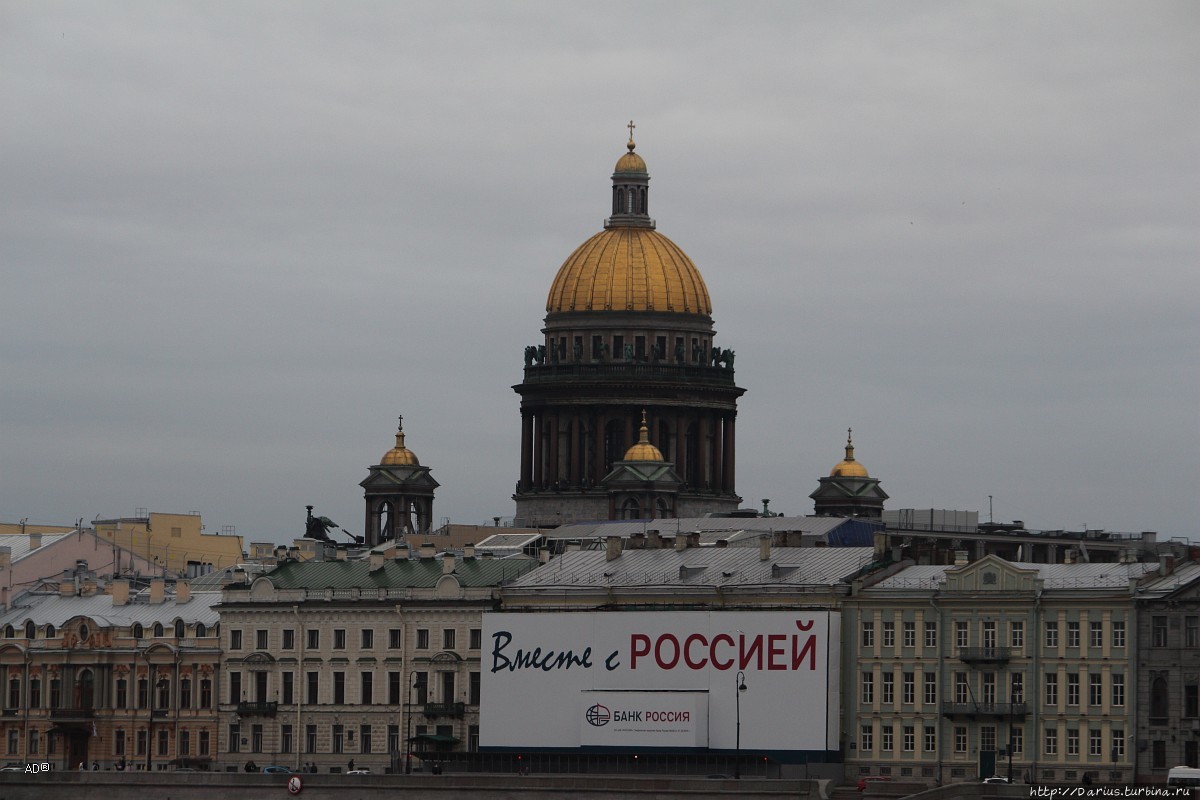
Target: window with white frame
(868,687)
(1118,689)
(1095,689)
(1050,740)
(866,739)
(909,738)
(1051,688)
(960,738)
(1118,744)
(989,634)
(889,634)
(910,634)
(1095,633)
(930,687)
(987,737)
(961,634)
(931,634)
(1095,742)
(1016,631)
(1118,634)
(1072,741)
(1051,634)
(1073,689)
(930,739)
(888,689)
(909,688)
(885,738)
(1072,634)
(868,634)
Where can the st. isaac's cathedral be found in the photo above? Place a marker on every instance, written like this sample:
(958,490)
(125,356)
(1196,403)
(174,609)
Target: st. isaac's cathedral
(628,402)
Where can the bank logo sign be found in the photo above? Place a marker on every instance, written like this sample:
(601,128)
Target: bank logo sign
(597,715)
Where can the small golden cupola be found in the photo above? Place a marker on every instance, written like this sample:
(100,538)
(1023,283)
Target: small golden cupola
(400,455)
(643,450)
(849,468)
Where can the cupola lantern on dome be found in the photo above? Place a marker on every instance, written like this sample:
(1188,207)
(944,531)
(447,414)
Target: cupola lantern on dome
(399,455)
(849,468)
(643,450)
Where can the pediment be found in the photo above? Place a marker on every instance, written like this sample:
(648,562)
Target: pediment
(991,574)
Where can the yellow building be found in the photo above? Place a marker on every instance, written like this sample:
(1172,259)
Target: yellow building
(176,542)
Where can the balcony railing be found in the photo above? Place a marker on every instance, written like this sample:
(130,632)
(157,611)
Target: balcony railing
(606,371)
(445,709)
(985,655)
(259,708)
(984,710)
(72,713)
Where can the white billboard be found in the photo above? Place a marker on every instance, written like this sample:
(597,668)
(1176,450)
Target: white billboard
(550,679)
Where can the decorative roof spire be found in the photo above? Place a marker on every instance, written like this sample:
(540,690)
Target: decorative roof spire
(631,145)
(849,444)
(643,450)
(630,199)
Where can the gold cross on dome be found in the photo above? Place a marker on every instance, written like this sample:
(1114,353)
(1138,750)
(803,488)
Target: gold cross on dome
(631,126)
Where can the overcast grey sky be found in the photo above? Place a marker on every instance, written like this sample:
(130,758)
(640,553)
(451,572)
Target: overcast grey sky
(238,239)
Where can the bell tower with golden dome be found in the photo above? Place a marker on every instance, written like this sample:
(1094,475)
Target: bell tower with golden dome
(849,491)
(399,495)
(628,327)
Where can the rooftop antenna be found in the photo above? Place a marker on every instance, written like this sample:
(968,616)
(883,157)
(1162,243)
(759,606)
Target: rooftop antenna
(990,517)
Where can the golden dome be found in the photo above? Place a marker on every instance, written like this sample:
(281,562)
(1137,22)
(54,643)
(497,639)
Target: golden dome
(629,269)
(643,450)
(630,162)
(849,468)
(400,456)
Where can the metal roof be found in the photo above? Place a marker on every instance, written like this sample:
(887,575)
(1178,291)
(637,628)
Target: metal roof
(508,541)
(1055,576)
(57,610)
(708,566)
(1185,573)
(672,527)
(19,543)
(397,573)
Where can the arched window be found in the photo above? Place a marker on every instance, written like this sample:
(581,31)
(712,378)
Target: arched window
(50,632)
(138,632)
(84,632)
(158,630)
(9,632)
(179,629)
(30,630)
(630,509)
(1159,701)
(201,631)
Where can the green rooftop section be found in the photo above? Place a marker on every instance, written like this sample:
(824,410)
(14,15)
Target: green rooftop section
(398,573)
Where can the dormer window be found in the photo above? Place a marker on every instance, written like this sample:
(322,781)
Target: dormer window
(158,630)
(138,632)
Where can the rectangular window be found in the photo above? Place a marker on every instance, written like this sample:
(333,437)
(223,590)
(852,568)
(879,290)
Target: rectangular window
(889,634)
(930,681)
(235,688)
(1118,690)
(1073,689)
(313,688)
(119,746)
(394,638)
(930,739)
(1095,634)
(868,634)
(366,694)
(1158,757)
(364,739)
(1095,689)
(908,738)
(1050,740)
(339,639)
(1095,742)
(448,639)
(368,639)
(868,688)
(474,689)
(1191,631)
(235,740)
(960,738)
(393,688)
(888,689)
(314,640)
(1191,700)
(393,738)
(185,693)
(339,739)
(866,739)
(289,688)
(256,738)
(1016,691)
(339,687)
(962,634)
(422,638)
(289,639)
(1072,634)
(205,744)
(885,738)
(1118,744)
(960,687)
(1016,735)
(185,742)
(1051,634)
(931,634)
(122,700)
(987,737)
(206,693)
(310,738)
(910,634)
(909,688)
(1118,634)
(260,640)
(1072,741)
(989,635)
(235,639)
(33,742)
(989,688)
(1158,632)
(476,641)
(1017,634)
(285,738)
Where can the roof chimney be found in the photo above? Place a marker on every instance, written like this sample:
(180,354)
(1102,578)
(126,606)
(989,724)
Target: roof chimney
(468,550)
(377,560)
(447,563)
(5,557)
(120,593)
(612,548)
(158,590)
(654,539)
(183,591)
(426,550)
(961,557)
(764,547)
(341,554)
(544,555)
(637,541)
(67,588)
(35,541)
(681,543)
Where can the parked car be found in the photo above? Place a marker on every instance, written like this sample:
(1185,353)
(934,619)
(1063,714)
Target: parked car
(13,768)
(996,779)
(359,771)
(277,770)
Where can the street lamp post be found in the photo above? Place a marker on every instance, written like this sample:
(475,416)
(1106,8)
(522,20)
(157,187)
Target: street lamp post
(414,681)
(737,759)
